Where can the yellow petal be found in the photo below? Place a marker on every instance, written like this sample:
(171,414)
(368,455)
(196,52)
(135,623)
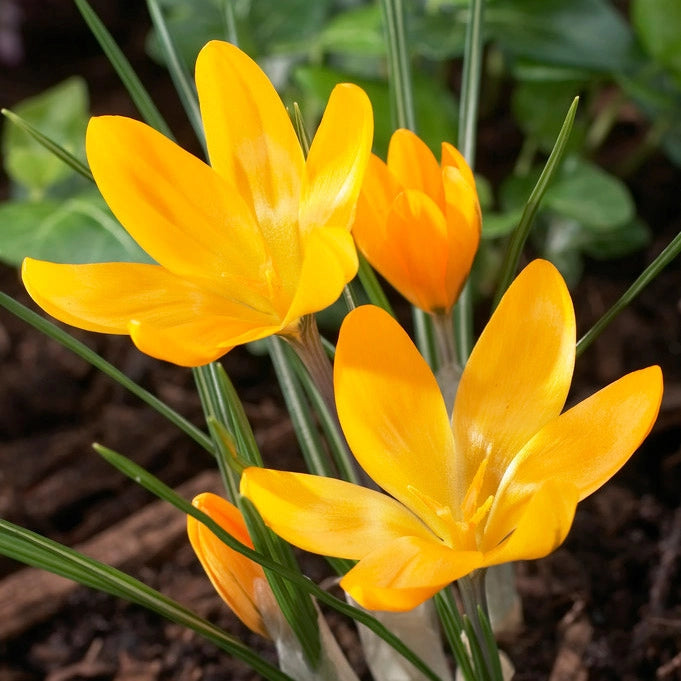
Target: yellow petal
(176,207)
(414,165)
(518,375)
(587,444)
(392,412)
(463,218)
(452,157)
(544,522)
(233,575)
(337,160)
(325,515)
(107,297)
(197,342)
(252,144)
(329,263)
(378,192)
(404,573)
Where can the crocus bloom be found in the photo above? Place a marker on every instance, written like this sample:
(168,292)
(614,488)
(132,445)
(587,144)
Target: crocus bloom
(240,581)
(418,221)
(497,483)
(245,246)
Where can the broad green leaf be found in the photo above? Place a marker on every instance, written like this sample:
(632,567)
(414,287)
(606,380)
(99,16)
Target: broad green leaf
(658,25)
(588,34)
(60,113)
(75,230)
(539,109)
(587,194)
(495,225)
(562,242)
(618,242)
(357,31)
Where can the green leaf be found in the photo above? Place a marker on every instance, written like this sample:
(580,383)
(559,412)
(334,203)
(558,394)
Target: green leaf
(591,196)
(495,225)
(538,108)
(60,113)
(75,230)
(588,34)
(658,25)
(32,549)
(356,31)
(618,242)
(191,24)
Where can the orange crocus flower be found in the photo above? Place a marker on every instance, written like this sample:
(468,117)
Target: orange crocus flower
(240,581)
(498,482)
(246,246)
(418,221)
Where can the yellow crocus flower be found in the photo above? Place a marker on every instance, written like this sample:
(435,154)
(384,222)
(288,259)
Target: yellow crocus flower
(246,246)
(240,581)
(418,221)
(498,482)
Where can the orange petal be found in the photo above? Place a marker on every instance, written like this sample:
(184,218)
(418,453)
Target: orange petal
(329,263)
(393,414)
(81,295)
(252,144)
(325,515)
(414,165)
(176,207)
(544,522)
(233,575)
(452,157)
(586,445)
(379,190)
(463,217)
(404,573)
(518,375)
(335,166)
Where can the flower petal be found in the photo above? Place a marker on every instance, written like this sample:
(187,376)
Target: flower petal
(542,526)
(463,217)
(232,574)
(586,445)
(452,157)
(404,573)
(379,189)
(325,515)
(417,241)
(518,375)
(252,144)
(329,263)
(392,412)
(107,297)
(199,341)
(414,165)
(176,207)
(335,166)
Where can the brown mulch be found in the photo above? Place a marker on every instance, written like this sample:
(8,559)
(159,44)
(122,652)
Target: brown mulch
(605,606)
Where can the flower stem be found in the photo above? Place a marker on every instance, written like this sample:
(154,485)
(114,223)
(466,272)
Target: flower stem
(472,589)
(307,344)
(468,121)
(445,342)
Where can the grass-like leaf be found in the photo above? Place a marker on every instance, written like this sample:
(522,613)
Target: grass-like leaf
(33,549)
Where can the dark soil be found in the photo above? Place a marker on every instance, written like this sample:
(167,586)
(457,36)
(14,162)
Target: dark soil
(605,606)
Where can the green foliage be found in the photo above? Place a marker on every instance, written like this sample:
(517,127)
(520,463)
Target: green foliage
(658,25)
(77,229)
(60,113)
(55,214)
